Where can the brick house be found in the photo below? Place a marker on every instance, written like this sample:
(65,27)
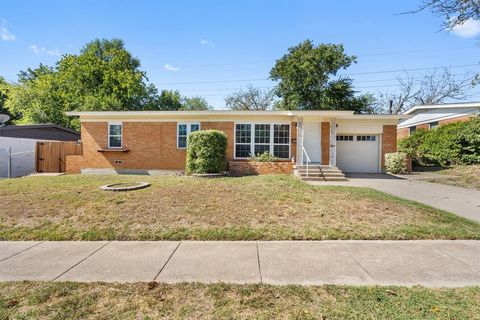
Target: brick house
(128,141)
(432,116)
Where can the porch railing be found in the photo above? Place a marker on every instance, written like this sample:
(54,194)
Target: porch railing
(304,153)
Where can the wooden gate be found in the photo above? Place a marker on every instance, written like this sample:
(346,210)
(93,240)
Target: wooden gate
(51,154)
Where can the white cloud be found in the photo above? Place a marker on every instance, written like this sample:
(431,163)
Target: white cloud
(468,29)
(206,43)
(40,50)
(35,49)
(169,67)
(53,53)
(6,35)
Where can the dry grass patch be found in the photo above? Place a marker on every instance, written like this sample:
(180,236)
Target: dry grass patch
(463,176)
(173,208)
(40,300)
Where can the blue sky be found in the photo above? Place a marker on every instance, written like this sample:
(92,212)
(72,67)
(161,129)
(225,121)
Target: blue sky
(205,47)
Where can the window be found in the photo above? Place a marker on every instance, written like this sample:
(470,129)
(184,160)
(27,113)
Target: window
(243,140)
(433,125)
(183,130)
(114,135)
(411,130)
(262,137)
(366,138)
(281,141)
(344,138)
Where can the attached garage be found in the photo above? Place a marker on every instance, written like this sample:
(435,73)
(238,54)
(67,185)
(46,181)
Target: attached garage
(358,153)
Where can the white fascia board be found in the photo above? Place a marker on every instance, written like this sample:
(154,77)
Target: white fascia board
(443,106)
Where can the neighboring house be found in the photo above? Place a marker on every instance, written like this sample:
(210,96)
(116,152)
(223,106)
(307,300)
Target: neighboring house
(19,142)
(157,140)
(432,116)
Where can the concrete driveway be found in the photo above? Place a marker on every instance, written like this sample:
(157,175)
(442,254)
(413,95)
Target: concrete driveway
(461,201)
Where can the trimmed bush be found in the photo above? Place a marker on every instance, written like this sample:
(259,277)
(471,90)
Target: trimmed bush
(264,157)
(206,152)
(396,162)
(451,144)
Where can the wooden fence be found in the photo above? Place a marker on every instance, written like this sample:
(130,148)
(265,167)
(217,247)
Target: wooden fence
(50,155)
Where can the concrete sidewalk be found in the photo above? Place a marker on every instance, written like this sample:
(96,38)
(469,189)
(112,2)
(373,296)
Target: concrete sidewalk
(428,263)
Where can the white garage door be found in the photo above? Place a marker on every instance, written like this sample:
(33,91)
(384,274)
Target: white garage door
(358,153)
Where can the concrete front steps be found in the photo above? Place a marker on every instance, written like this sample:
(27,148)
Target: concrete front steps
(318,172)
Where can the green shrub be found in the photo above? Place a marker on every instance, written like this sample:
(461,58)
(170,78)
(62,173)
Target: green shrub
(396,162)
(410,145)
(455,143)
(264,157)
(206,152)
(469,141)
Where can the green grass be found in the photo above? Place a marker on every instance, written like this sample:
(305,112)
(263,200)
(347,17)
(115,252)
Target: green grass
(63,300)
(251,208)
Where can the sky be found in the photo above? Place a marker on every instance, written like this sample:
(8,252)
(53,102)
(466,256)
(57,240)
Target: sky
(212,48)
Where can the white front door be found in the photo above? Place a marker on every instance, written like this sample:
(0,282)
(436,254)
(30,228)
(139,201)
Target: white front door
(358,153)
(312,141)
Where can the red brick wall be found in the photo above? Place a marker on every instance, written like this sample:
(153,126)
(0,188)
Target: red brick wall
(325,142)
(452,120)
(402,133)
(246,168)
(152,145)
(389,141)
(293,139)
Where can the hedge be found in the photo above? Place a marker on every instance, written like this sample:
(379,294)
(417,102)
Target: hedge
(206,152)
(455,143)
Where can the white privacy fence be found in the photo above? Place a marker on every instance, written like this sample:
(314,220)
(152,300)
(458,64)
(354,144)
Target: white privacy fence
(17,157)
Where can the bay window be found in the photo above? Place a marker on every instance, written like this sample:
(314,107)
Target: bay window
(258,138)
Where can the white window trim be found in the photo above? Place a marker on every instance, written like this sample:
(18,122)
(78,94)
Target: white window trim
(121,134)
(189,130)
(252,138)
(430,127)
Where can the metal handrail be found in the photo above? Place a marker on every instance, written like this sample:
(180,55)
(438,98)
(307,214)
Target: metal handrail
(308,158)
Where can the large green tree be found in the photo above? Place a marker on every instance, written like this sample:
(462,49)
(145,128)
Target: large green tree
(103,77)
(5,89)
(307,79)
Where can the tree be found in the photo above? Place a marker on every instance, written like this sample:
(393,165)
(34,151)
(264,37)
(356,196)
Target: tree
(433,88)
(251,99)
(455,12)
(103,77)
(5,89)
(304,77)
(195,103)
(169,100)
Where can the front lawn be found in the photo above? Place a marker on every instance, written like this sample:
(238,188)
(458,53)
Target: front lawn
(174,208)
(40,300)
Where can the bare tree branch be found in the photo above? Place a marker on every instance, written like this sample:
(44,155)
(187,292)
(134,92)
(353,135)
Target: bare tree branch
(433,88)
(250,99)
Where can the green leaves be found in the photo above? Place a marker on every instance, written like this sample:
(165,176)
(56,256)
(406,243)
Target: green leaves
(103,77)
(304,76)
(206,152)
(455,143)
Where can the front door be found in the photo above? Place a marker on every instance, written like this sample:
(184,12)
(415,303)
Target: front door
(312,141)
